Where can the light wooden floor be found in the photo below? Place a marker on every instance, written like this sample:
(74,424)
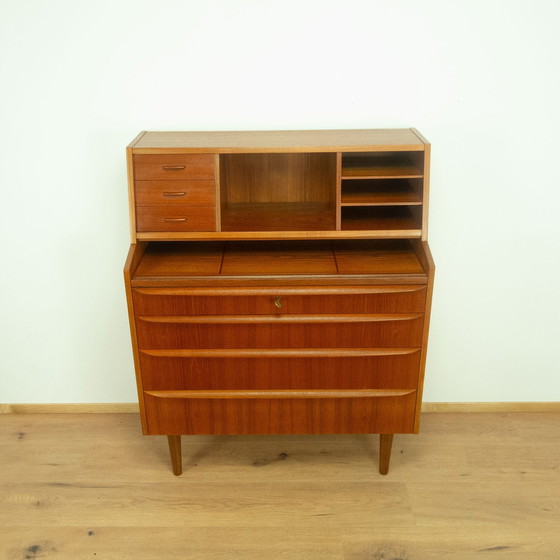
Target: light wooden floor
(90,486)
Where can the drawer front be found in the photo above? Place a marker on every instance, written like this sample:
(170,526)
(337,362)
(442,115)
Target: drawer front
(387,414)
(173,167)
(390,331)
(280,370)
(380,299)
(179,217)
(196,191)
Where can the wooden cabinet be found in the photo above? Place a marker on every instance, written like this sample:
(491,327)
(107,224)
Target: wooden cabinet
(279,282)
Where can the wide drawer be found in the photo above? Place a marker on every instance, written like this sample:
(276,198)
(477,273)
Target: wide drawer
(173,167)
(389,413)
(196,191)
(180,217)
(281,369)
(379,299)
(296,331)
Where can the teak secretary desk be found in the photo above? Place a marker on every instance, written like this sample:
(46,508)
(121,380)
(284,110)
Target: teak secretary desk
(279,282)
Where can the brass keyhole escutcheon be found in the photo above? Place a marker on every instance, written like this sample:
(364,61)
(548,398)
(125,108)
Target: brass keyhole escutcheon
(278,302)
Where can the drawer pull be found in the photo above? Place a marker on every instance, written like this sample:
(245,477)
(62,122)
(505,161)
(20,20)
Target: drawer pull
(278,302)
(173,220)
(173,167)
(280,394)
(174,193)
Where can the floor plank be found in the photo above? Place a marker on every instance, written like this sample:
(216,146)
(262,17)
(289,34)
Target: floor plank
(471,485)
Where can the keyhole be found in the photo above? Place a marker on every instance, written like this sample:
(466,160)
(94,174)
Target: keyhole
(278,302)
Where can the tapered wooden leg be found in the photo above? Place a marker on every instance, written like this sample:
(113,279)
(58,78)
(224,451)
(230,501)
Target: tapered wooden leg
(385,444)
(175,453)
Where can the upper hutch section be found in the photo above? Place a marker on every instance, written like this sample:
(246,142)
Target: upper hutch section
(279,184)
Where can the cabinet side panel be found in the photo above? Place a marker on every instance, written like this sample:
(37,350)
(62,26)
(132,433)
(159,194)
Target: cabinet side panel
(131,194)
(134,257)
(426,194)
(425,256)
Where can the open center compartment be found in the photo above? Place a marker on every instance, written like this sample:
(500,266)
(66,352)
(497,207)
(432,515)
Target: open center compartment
(278,191)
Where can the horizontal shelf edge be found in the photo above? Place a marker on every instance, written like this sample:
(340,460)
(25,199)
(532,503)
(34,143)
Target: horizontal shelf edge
(274,235)
(381,176)
(281,149)
(387,203)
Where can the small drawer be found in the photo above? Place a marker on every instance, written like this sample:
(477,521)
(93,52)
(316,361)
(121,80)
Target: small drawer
(360,331)
(280,369)
(196,191)
(179,217)
(391,414)
(173,167)
(377,299)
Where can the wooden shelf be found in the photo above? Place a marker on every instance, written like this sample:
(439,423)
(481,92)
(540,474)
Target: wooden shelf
(390,218)
(380,166)
(278,216)
(391,192)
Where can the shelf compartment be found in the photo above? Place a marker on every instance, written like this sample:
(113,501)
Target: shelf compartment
(381,192)
(278,216)
(278,192)
(382,165)
(390,218)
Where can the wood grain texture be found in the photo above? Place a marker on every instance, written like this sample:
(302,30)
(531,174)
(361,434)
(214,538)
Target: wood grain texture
(325,415)
(425,257)
(149,193)
(292,185)
(270,235)
(171,167)
(393,261)
(287,190)
(471,486)
(135,254)
(392,332)
(276,178)
(234,301)
(278,141)
(390,368)
(176,217)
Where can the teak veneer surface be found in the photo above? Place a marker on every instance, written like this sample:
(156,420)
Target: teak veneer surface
(279,282)
(169,262)
(277,141)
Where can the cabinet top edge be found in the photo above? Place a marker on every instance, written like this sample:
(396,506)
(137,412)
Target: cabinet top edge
(402,139)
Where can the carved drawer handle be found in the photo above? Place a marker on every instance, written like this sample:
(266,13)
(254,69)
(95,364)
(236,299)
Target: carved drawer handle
(174,219)
(173,167)
(174,193)
(278,302)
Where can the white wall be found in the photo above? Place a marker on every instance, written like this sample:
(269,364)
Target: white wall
(79,80)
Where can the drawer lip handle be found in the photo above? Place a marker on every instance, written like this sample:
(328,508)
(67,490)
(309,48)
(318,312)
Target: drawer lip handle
(281,394)
(288,353)
(174,220)
(173,167)
(319,290)
(174,193)
(275,319)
